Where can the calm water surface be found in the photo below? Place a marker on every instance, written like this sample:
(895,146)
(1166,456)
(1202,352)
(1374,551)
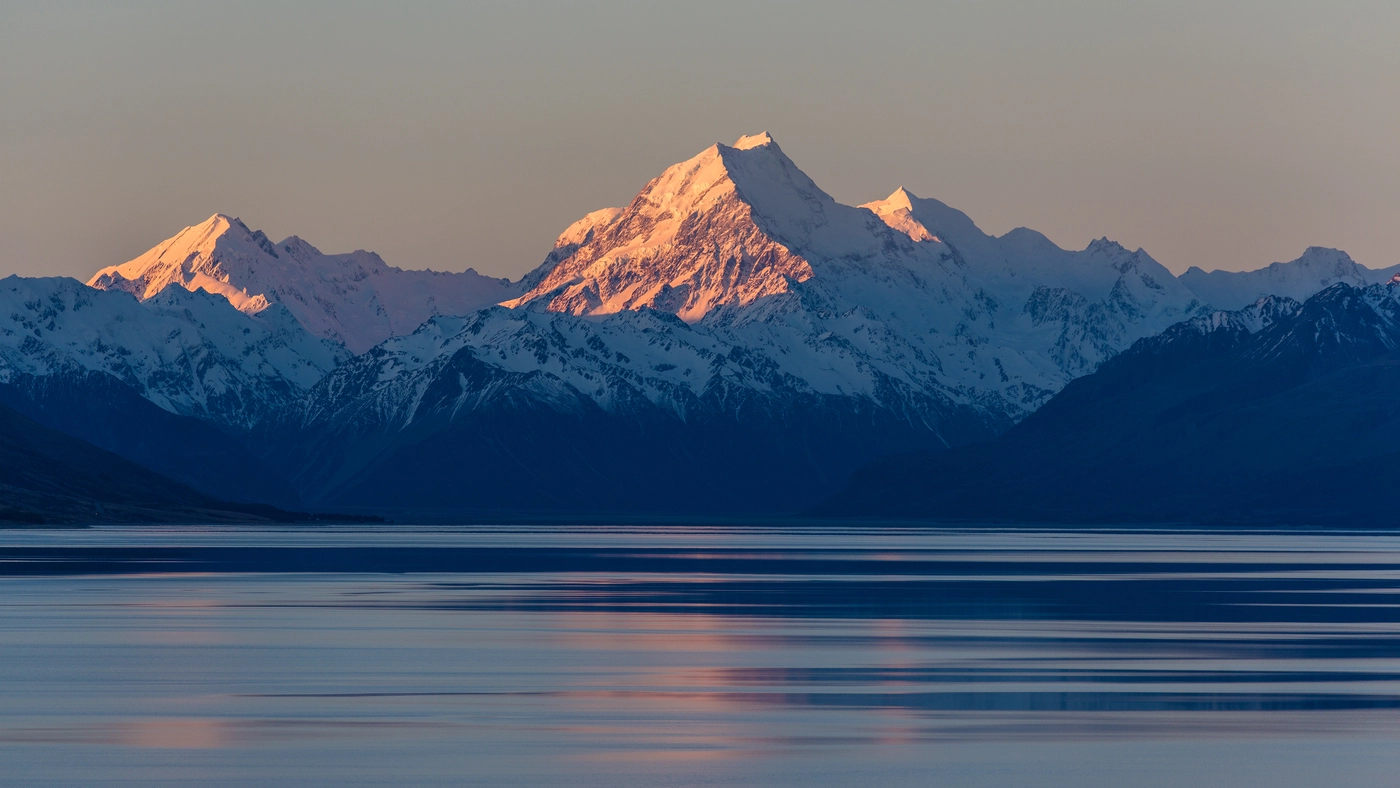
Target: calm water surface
(698,656)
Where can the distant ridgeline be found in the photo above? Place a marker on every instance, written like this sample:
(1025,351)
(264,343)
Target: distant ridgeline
(732,342)
(1279,413)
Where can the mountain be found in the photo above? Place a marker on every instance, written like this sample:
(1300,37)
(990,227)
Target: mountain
(1317,269)
(741,243)
(525,410)
(1086,305)
(734,339)
(49,477)
(1278,413)
(355,299)
(698,238)
(168,383)
(102,410)
(190,353)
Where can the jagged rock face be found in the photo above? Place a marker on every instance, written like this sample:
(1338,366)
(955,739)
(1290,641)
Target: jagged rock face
(190,353)
(1339,326)
(1087,305)
(742,244)
(897,211)
(516,408)
(207,256)
(355,299)
(636,360)
(688,244)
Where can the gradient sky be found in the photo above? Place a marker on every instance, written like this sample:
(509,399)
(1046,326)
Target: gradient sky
(449,135)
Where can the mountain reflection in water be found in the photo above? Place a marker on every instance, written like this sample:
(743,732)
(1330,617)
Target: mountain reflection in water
(616,656)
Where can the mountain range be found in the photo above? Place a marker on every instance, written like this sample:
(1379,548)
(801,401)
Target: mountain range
(732,341)
(355,299)
(1274,414)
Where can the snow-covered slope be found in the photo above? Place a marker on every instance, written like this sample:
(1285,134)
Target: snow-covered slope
(1278,413)
(732,338)
(1251,319)
(734,291)
(190,353)
(1316,270)
(1079,307)
(628,360)
(355,299)
(741,243)
(690,241)
(637,409)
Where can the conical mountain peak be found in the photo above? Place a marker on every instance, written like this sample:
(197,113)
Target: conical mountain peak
(897,211)
(901,198)
(354,298)
(727,227)
(723,227)
(217,255)
(926,219)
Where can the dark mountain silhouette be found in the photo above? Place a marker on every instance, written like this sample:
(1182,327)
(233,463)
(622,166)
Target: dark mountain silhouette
(1276,414)
(49,477)
(102,410)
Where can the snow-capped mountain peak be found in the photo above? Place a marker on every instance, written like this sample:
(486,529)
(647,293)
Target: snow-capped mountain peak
(1315,270)
(703,234)
(213,255)
(897,211)
(929,219)
(901,295)
(356,299)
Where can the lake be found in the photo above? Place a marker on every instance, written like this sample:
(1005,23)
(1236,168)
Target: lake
(807,656)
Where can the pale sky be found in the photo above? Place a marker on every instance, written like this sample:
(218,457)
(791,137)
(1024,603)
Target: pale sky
(448,135)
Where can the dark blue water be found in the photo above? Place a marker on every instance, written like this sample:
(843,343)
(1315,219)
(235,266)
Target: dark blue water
(804,656)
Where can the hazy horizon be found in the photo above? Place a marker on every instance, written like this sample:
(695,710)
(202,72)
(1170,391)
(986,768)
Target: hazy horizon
(451,136)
